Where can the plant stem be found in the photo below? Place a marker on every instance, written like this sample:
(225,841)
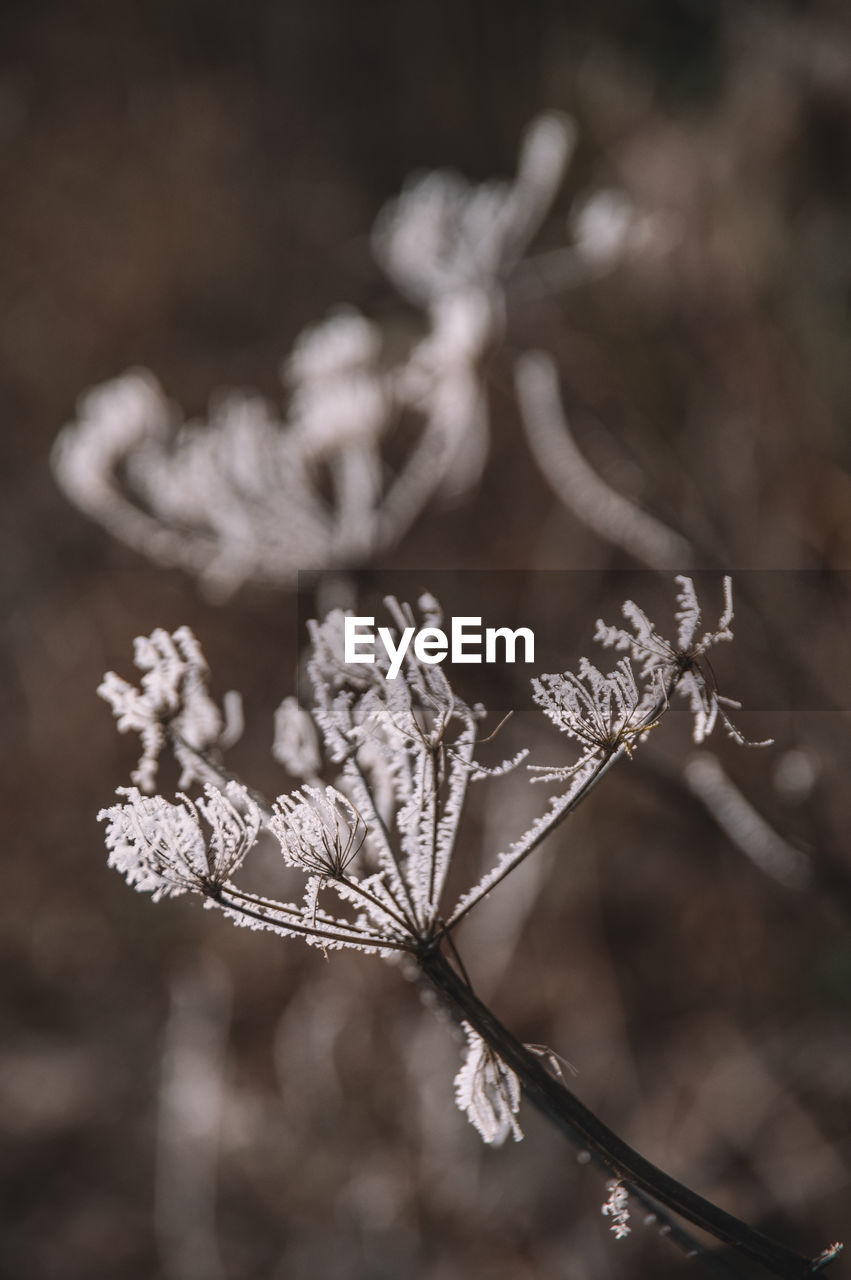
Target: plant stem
(557,816)
(564,1109)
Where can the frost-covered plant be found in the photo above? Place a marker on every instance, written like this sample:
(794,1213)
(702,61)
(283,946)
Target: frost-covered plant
(255,493)
(375,847)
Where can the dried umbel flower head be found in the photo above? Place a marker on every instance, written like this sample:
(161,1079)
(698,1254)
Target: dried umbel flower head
(318,830)
(601,712)
(653,651)
(382,840)
(678,665)
(165,849)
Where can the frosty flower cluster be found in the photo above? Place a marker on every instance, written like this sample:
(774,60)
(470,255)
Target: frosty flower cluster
(164,849)
(375,847)
(678,665)
(602,712)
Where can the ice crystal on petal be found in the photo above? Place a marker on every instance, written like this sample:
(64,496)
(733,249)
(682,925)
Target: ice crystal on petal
(488,1091)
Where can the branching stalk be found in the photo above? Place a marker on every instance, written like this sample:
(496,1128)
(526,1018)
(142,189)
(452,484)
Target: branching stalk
(564,1109)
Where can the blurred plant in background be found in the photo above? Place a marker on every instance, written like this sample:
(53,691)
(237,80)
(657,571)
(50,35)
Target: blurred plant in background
(249,497)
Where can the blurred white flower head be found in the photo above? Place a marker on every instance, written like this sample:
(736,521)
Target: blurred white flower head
(255,493)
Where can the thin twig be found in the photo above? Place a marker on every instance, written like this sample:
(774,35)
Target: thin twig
(557,816)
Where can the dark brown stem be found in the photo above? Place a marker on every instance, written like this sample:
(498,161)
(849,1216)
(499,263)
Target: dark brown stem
(559,1105)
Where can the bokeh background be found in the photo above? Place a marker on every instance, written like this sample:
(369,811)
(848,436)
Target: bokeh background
(185,186)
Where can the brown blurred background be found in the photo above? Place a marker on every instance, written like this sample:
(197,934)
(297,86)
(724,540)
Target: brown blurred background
(186,186)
